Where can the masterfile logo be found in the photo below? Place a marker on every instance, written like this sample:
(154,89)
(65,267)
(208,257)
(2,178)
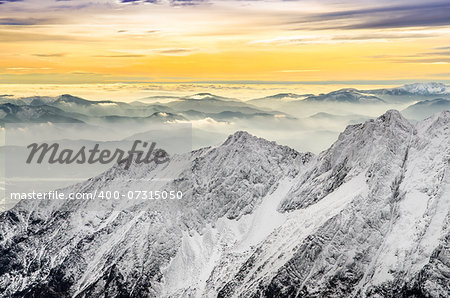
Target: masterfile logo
(40,158)
(95,155)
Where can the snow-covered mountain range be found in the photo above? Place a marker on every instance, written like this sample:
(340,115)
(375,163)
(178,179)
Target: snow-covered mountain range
(367,217)
(425,89)
(10,113)
(348,95)
(201,105)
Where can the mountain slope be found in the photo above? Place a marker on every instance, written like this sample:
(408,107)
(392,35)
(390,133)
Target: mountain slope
(278,98)
(387,233)
(345,96)
(228,181)
(367,217)
(426,108)
(10,113)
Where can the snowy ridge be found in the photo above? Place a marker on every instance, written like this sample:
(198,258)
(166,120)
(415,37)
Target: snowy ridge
(347,95)
(367,217)
(420,89)
(426,88)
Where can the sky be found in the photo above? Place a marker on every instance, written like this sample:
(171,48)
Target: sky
(157,41)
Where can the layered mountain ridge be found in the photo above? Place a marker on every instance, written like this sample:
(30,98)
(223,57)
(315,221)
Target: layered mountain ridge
(369,217)
(427,89)
(348,95)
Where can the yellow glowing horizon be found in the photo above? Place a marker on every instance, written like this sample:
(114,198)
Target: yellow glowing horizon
(214,41)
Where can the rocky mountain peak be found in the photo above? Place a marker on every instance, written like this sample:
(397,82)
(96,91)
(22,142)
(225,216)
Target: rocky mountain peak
(239,136)
(370,146)
(393,118)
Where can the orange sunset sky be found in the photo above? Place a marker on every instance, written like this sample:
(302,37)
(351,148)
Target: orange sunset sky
(86,41)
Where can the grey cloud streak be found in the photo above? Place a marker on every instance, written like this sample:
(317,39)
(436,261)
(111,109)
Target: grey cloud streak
(6,1)
(172,2)
(26,21)
(398,16)
(50,55)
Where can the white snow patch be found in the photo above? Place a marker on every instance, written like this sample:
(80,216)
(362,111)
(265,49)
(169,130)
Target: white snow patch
(199,254)
(276,232)
(266,218)
(278,248)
